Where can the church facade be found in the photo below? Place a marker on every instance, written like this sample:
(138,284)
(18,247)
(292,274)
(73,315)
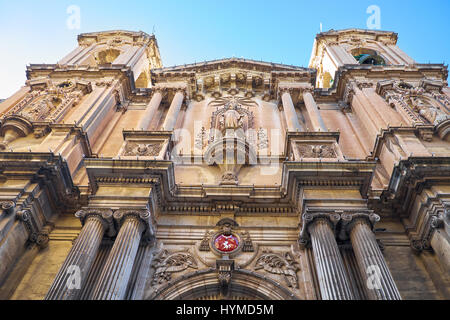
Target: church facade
(121,179)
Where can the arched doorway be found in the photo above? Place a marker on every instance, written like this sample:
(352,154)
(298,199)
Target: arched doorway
(204,285)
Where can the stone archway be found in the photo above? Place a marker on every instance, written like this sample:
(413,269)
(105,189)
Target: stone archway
(204,285)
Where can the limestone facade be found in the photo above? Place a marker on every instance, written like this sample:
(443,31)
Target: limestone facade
(227,179)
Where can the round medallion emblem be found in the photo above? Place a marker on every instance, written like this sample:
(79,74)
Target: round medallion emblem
(225,243)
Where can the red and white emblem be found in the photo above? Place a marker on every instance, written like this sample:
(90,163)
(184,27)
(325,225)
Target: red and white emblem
(225,243)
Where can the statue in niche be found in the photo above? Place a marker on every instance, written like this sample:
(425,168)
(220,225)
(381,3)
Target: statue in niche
(232,119)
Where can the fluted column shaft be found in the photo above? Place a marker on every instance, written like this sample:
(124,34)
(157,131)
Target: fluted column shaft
(174,110)
(313,112)
(78,263)
(289,112)
(150,110)
(333,280)
(373,267)
(116,273)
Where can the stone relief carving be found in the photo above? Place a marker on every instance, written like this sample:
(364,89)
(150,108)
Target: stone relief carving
(142,149)
(166,264)
(50,103)
(281,264)
(316,151)
(422,105)
(231,115)
(263,140)
(204,245)
(46,102)
(200,139)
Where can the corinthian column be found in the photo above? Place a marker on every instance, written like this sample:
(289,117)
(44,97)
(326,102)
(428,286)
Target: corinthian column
(289,111)
(174,110)
(313,112)
(113,281)
(333,280)
(373,268)
(73,274)
(150,110)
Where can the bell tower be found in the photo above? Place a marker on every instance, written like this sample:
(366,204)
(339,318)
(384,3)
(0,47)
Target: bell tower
(117,49)
(334,49)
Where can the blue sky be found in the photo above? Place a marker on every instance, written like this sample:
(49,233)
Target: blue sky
(198,30)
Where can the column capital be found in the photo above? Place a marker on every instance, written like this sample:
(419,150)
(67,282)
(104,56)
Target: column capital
(161,90)
(143,215)
(307,89)
(105,216)
(285,89)
(331,218)
(349,220)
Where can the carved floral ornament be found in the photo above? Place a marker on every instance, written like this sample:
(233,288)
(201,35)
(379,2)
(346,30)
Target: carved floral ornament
(46,102)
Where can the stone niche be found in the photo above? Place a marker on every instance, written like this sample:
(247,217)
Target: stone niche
(311,146)
(146,145)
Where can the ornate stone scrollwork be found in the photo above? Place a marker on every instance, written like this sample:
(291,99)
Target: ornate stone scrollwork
(423,105)
(424,242)
(166,264)
(7,206)
(225,269)
(281,264)
(142,149)
(46,102)
(263,140)
(39,237)
(316,151)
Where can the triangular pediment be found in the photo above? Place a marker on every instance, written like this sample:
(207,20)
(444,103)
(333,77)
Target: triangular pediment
(233,63)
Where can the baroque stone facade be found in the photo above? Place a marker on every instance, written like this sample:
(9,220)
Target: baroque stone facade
(227,179)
